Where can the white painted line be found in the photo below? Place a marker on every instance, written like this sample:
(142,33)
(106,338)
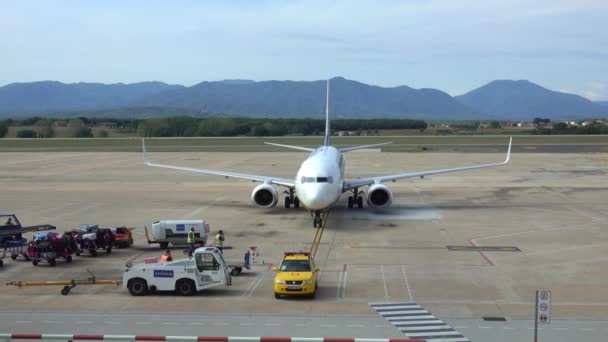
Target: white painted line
(170,323)
(386,296)
(587,329)
(355,326)
(395,307)
(344,284)
(247,324)
(272,324)
(560,328)
(142,323)
(327,325)
(339,285)
(431,327)
(434,321)
(52,322)
(404,312)
(407,284)
(110,322)
(23,322)
(440,333)
(196,323)
(485,327)
(255,284)
(84,322)
(460,327)
(219,323)
(409,318)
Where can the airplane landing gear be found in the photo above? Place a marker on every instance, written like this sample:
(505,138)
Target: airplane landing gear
(318,221)
(291,199)
(355,199)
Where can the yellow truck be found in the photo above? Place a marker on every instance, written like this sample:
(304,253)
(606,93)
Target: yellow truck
(296,275)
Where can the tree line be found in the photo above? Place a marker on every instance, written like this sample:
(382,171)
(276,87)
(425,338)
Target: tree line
(186,126)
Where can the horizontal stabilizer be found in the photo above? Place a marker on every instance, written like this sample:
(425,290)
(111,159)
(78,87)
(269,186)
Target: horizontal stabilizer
(353,148)
(301,148)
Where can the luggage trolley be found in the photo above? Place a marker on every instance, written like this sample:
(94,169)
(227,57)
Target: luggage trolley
(16,248)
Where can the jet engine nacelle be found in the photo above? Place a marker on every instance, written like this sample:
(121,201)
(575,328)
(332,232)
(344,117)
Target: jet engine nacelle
(265,196)
(379,196)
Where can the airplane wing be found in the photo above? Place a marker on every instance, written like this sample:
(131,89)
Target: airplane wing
(353,148)
(264,179)
(381,179)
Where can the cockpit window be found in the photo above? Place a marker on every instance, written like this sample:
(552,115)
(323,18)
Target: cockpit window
(329,180)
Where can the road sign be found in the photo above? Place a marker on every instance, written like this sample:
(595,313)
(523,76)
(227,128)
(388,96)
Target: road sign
(543,306)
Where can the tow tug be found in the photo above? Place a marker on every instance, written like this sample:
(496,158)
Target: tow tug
(186,277)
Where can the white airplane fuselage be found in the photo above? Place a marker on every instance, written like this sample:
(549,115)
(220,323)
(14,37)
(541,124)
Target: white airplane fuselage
(319,181)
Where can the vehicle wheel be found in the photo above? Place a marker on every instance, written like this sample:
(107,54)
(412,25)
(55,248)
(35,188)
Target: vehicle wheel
(35,262)
(235,271)
(277,296)
(350,202)
(315,223)
(138,287)
(68,259)
(287,202)
(296,202)
(65,290)
(93,252)
(164,245)
(185,287)
(14,256)
(109,250)
(52,262)
(360,202)
(1,263)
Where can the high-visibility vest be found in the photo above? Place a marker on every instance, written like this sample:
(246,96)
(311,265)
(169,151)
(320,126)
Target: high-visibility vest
(191,237)
(218,241)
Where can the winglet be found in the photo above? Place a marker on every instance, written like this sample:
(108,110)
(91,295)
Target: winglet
(509,151)
(143,147)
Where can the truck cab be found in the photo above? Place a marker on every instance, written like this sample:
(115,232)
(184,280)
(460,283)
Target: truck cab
(296,275)
(186,277)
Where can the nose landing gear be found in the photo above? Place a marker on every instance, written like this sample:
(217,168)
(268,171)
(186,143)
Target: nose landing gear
(355,199)
(318,221)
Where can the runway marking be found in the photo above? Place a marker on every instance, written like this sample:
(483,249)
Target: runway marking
(386,296)
(327,325)
(272,324)
(170,323)
(355,326)
(342,280)
(142,323)
(407,284)
(246,324)
(587,329)
(560,328)
(483,255)
(52,322)
(84,322)
(417,323)
(196,323)
(109,322)
(217,323)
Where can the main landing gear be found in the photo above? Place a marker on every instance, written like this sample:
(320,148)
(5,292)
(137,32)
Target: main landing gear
(318,221)
(355,199)
(291,199)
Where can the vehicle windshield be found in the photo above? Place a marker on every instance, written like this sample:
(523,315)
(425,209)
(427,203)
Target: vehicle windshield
(295,266)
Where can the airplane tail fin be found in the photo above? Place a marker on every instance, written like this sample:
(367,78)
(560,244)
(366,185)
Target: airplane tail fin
(326,141)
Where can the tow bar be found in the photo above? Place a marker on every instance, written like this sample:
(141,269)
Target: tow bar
(67,284)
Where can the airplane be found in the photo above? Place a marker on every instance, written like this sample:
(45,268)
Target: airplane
(320,180)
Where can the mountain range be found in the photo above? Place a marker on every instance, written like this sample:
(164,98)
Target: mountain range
(503,99)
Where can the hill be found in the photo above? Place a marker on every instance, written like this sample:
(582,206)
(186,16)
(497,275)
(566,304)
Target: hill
(51,96)
(349,99)
(524,100)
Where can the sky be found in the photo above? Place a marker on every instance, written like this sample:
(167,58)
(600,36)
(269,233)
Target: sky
(451,45)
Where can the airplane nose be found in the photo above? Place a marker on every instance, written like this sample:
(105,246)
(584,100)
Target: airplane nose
(316,198)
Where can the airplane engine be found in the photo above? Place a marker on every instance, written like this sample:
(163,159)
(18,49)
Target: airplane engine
(265,196)
(379,196)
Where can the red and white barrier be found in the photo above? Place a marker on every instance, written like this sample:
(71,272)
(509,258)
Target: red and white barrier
(66,337)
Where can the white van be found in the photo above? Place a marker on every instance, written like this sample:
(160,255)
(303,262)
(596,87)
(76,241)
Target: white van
(176,232)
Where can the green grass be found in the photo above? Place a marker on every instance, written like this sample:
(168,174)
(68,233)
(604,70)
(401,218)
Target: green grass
(413,143)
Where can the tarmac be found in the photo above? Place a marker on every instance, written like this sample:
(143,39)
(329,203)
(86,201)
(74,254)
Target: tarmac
(551,206)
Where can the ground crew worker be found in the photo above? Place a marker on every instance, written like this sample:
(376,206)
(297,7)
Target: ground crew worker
(9,222)
(219,241)
(167,256)
(190,241)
